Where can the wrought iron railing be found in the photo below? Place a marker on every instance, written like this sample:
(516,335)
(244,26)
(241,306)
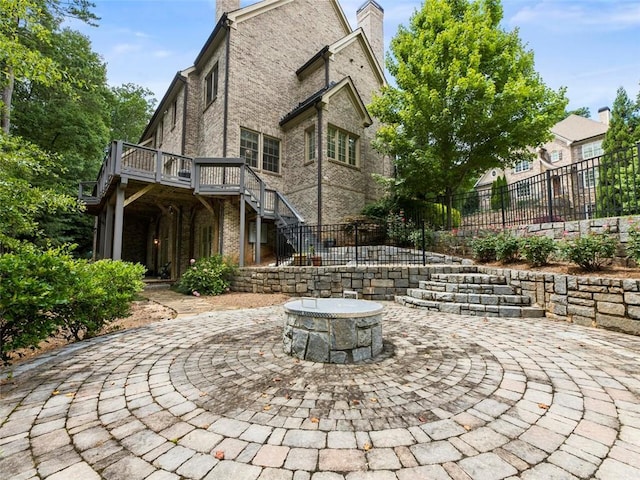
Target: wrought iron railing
(397,240)
(604,186)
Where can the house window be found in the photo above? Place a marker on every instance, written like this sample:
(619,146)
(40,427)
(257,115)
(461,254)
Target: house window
(271,154)
(522,166)
(331,142)
(523,189)
(310,144)
(254,145)
(174,113)
(249,142)
(159,133)
(342,146)
(211,85)
(556,156)
(589,178)
(589,210)
(592,150)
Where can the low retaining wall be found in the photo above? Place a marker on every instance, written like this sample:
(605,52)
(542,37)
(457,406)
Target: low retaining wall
(608,303)
(371,282)
(591,301)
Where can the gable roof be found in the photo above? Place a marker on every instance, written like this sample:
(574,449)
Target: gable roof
(238,16)
(575,128)
(323,97)
(357,35)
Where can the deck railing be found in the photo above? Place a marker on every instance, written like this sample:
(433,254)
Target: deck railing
(206,176)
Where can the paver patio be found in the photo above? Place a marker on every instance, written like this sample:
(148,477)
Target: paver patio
(214,396)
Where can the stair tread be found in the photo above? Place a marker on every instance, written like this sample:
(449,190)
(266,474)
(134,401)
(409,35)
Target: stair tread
(473,298)
(506,311)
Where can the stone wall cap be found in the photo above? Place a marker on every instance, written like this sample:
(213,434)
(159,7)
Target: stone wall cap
(333,307)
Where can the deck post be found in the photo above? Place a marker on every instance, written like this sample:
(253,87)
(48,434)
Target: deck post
(242,216)
(108,232)
(242,229)
(118,223)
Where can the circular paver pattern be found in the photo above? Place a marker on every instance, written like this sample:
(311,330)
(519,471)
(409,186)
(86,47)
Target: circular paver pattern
(214,396)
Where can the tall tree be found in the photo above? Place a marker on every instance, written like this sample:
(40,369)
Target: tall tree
(618,183)
(467,98)
(25,26)
(623,127)
(581,112)
(131,109)
(70,121)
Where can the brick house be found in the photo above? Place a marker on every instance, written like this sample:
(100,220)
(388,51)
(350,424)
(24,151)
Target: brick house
(576,141)
(269,126)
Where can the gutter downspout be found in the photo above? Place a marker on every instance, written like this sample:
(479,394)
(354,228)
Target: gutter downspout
(319,146)
(184,116)
(225,123)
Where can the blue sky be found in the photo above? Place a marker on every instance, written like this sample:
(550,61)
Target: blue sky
(590,47)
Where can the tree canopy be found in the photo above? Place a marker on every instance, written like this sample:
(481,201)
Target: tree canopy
(467,98)
(132,107)
(25,26)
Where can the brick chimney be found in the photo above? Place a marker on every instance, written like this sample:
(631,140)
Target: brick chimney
(370,19)
(604,115)
(224,6)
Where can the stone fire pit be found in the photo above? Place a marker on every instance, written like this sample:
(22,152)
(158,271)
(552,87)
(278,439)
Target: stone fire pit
(333,330)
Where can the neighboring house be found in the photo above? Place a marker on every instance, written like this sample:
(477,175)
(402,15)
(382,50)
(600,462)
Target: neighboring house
(268,127)
(576,141)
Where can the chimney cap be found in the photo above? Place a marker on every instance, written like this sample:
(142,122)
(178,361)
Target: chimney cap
(372,2)
(604,109)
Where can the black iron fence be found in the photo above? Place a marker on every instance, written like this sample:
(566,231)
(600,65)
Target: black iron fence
(599,187)
(604,186)
(399,240)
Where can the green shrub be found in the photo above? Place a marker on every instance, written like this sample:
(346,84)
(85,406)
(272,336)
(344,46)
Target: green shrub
(436,215)
(33,283)
(633,245)
(507,247)
(207,276)
(484,248)
(590,251)
(102,292)
(537,249)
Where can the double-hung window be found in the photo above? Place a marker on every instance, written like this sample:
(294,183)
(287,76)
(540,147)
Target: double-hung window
(310,144)
(523,189)
(522,166)
(260,151)
(342,146)
(592,150)
(271,154)
(211,85)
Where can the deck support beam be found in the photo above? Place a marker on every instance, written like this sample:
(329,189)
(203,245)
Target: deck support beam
(118,223)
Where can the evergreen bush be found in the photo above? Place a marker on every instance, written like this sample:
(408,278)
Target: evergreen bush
(207,276)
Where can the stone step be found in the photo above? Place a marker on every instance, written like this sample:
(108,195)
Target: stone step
(486,288)
(479,278)
(504,311)
(471,298)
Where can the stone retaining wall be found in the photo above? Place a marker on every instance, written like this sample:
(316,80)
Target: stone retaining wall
(372,282)
(613,304)
(592,301)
